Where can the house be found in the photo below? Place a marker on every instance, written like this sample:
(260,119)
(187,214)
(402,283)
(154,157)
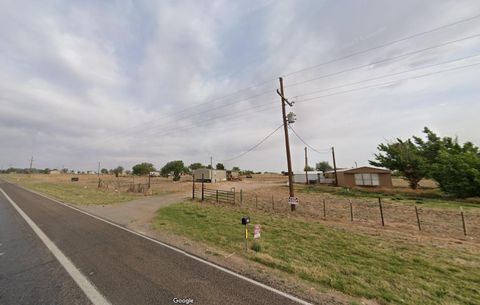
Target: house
(54,172)
(314,177)
(362,176)
(210,175)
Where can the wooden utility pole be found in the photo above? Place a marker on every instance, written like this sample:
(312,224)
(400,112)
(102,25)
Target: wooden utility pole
(334,166)
(211,162)
(31,165)
(306,166)
(287,142)
(98,174)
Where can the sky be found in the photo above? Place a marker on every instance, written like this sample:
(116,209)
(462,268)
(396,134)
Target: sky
(124,82)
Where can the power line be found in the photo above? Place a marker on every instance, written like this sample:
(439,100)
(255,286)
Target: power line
(256,145)
(392,74)
(383,45)
(395,58)
(389,82)
(316,91)
(174,120)
(311,67)
(323,151)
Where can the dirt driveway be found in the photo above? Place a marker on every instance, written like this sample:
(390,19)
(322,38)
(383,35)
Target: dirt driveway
(136,214)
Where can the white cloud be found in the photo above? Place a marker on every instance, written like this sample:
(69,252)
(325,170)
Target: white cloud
(133,81)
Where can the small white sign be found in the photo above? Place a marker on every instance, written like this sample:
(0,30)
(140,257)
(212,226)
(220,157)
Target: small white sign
(256,231)
(293,200)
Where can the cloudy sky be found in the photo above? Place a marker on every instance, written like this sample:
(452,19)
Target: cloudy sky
(123,82)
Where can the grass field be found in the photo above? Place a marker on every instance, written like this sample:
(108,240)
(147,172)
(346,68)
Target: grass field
(388,270)
(71,193)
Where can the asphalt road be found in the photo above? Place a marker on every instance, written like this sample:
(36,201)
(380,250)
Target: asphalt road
(124,267)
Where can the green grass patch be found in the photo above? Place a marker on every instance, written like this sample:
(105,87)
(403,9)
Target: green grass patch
(79,195)
(389,271)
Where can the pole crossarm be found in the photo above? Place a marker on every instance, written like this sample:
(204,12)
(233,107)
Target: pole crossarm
(284,98)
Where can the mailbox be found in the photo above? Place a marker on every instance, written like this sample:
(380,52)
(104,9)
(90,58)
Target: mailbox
(245,220)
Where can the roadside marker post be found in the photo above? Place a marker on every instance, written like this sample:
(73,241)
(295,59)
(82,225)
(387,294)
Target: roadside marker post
(256,231)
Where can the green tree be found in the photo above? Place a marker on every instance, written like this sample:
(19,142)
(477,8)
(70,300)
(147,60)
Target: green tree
(455,167)
(236,169)
(143,169)
(118,171)
(195,166)
(220,166)
(176,167)
(308,169)
(104,171)
(323,166)
(404,157)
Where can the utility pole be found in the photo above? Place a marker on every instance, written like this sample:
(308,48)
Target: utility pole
(287,142)
(211,162)
(306,166)
(98,174)
(334,166)
(31,165)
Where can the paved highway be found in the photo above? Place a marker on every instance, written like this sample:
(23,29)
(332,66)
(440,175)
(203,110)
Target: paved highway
(78,259)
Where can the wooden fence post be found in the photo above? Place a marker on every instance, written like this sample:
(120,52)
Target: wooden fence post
(418,219)
(381,210)
(203,187)
(463,223)
(351,209)
(324,210)
(193,188)
(241,196)
(217,195)
(273,203)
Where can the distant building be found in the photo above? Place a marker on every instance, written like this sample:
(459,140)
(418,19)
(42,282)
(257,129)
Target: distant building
(362,176)
(155,174)
(54,172)
(314,177)
(233,176)
(210,175)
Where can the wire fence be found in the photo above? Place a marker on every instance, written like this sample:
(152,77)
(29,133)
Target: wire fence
(441,222)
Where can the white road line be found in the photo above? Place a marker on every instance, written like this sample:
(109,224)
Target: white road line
(284,294)
(90,291)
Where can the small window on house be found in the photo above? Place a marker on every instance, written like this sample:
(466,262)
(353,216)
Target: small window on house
(367,179)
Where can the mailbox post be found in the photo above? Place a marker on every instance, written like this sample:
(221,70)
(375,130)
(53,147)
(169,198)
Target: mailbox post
(245,222)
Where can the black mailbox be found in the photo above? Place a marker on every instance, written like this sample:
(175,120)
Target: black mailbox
(245,220)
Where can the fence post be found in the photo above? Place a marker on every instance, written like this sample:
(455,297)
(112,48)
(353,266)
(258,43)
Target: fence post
(273,203)
(463,222)
(241,196)
(381,210)
(217,195)
(418,219)
(203,187)
(193,188)
(324,210)
(351,210)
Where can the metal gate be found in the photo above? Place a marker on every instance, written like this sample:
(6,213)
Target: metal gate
(220,196)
